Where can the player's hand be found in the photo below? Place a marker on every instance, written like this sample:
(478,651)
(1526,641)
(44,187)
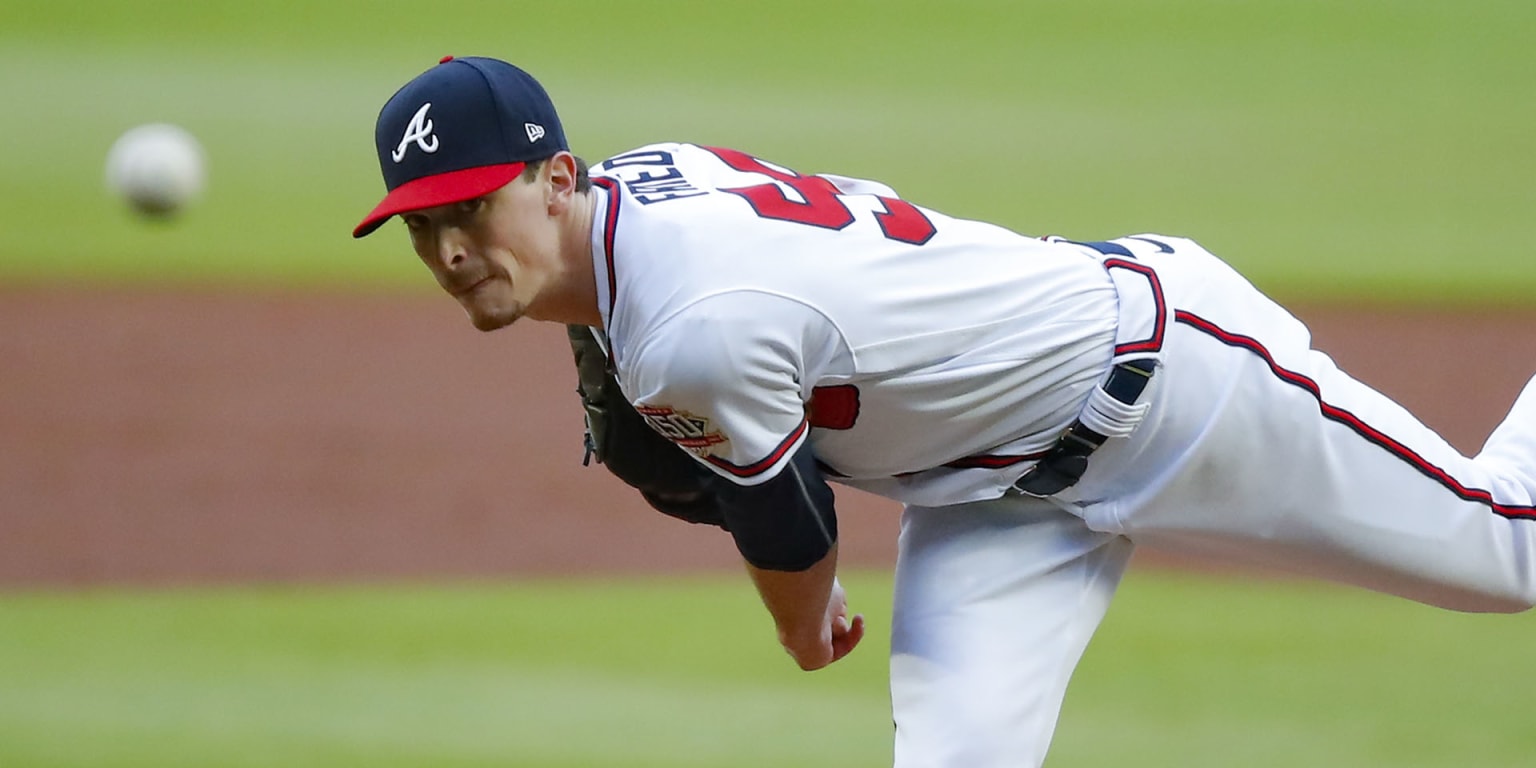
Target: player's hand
(835,637)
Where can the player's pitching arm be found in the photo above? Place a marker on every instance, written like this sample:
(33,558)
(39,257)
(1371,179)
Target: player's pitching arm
(786,530)
(725,385)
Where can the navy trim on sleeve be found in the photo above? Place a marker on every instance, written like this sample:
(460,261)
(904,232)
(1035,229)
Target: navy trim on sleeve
(786,523)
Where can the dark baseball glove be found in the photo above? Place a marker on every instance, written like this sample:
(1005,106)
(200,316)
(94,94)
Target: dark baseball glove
(668,479)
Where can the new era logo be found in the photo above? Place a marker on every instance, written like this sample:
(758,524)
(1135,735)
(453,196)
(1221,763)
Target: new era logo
(535,131)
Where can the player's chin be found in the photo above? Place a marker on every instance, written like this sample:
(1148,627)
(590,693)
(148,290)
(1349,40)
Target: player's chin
(491,315)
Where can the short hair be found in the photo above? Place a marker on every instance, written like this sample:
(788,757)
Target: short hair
(583,177)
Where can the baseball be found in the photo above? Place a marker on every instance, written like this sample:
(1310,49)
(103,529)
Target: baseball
(157,168)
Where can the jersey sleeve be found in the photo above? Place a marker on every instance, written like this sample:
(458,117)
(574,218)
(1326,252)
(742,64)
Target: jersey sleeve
(726,380)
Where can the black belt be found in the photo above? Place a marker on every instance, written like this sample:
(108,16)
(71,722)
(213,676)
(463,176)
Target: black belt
(1063,465)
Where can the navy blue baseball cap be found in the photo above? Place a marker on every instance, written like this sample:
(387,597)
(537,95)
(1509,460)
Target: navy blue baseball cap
(462,129)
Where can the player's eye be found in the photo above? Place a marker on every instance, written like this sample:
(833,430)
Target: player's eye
(471,206)
(415,223)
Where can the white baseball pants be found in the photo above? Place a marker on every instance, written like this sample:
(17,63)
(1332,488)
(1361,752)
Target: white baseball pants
(1256,448)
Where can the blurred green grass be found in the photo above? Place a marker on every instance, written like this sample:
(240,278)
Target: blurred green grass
(684,672)
(1363,150)
(1346,151)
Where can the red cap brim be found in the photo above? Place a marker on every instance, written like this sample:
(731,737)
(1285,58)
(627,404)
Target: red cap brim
(441,189)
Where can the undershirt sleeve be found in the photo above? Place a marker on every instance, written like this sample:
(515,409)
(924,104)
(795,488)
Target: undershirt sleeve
(787,523)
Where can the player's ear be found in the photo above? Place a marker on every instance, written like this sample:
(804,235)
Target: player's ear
(562,180)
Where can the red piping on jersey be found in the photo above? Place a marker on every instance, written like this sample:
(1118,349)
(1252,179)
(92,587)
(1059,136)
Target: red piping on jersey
(1159,324)
(981,461)
(757,468)
(993,461)
(1353,422)
(610,224)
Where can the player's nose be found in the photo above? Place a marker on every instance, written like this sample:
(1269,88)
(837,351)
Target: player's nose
(452,248)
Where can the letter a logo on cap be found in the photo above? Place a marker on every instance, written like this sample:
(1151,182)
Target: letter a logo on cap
(535,131)
(418,130)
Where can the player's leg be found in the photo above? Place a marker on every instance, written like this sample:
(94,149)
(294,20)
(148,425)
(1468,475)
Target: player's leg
(1259,448)
(1510,451)
(994,603)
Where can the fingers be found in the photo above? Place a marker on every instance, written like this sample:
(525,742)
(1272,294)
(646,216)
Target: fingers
(846,636)
(814,654)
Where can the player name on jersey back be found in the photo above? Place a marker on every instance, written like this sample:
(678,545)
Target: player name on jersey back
(654,177)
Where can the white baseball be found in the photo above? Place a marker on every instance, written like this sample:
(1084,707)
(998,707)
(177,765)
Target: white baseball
(157,168)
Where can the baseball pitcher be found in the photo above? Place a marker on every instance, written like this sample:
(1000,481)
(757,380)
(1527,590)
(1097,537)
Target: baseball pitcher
(746,334)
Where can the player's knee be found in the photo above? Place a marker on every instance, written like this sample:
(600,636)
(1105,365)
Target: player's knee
(1523,597)
(987,731)
(1510,606)
(1519,603)
(1511,601)
(963,748)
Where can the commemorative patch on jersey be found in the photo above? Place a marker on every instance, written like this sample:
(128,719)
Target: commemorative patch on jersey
(693,433)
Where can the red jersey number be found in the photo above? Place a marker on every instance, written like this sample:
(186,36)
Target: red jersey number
(823,207)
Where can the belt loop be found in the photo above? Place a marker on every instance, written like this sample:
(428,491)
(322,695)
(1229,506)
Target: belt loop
(1066,461)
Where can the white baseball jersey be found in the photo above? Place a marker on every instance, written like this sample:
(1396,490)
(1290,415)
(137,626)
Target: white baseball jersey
(749,308)
(929,359)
